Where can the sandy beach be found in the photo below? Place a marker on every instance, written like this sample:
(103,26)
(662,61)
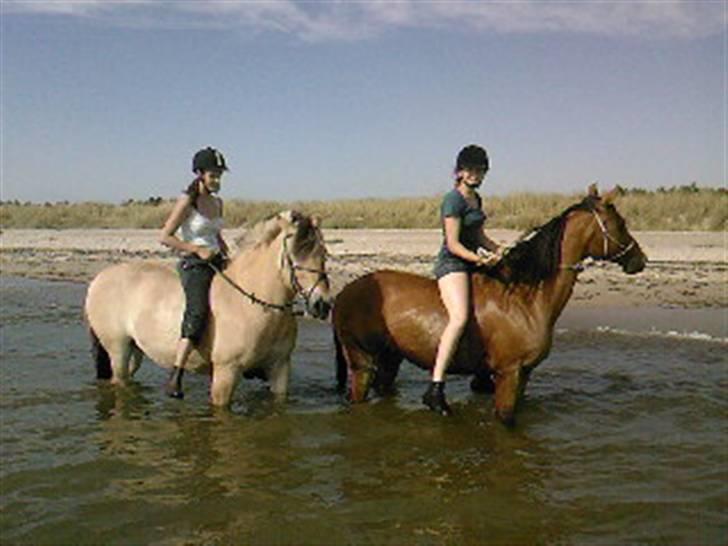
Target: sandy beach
(686,269)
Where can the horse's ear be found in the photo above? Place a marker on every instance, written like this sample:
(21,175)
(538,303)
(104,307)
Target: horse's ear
(612,194)
(291,216)
(593,191)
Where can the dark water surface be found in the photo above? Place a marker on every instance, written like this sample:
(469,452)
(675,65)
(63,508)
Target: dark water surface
(622,439)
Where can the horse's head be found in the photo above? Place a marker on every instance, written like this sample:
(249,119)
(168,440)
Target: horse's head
(611,239)
(303,258)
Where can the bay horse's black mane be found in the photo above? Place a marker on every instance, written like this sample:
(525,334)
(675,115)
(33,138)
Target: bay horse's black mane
(536,256)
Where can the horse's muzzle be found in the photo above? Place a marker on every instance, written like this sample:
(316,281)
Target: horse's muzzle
(633,262)
(319,308)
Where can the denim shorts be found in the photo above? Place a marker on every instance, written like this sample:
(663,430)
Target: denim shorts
(448,263)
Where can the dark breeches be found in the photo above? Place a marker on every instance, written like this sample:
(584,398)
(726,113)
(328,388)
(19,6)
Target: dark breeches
(196,275)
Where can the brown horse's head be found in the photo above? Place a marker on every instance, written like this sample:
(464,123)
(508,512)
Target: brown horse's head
(601,233)
(305,255)
(612,240)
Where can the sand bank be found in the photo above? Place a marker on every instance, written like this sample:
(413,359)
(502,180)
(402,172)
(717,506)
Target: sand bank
(686,269)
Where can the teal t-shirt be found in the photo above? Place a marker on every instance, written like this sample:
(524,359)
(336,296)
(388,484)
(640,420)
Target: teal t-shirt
(472,219)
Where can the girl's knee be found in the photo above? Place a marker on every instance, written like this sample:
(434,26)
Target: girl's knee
(457,323)
(194,323)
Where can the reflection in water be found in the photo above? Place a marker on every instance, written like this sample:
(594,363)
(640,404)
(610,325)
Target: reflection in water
(355,476)
(620,440)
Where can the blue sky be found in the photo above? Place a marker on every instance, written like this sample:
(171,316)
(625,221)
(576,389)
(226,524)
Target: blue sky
(107,101)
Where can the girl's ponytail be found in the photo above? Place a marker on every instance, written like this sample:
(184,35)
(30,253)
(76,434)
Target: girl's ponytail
(193,190)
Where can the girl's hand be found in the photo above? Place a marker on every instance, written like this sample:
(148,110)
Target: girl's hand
(487,258)
(205,253)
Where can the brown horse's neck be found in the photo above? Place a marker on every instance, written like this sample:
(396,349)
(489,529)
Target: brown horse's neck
(557,290)
(258,270)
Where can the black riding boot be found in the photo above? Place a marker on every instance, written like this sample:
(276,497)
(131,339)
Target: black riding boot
(174,385)
(434,398)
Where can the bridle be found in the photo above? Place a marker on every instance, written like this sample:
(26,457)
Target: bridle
(298,289)
(623,249)
(293,267)
(607,238)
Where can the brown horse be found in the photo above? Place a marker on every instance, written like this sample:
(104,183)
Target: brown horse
(386,316)
(135,309)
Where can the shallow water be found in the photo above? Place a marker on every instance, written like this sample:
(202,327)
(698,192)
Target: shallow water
(621,439)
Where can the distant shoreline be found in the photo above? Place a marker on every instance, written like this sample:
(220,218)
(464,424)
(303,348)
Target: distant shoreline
(686,269)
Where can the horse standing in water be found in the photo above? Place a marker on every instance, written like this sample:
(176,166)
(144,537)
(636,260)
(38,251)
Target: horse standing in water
(136,309)
(386,316)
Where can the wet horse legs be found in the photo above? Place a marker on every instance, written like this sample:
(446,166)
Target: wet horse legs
(224,381)
(361,372)
(509,388)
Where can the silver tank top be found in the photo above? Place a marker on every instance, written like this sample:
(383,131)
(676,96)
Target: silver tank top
(201,230)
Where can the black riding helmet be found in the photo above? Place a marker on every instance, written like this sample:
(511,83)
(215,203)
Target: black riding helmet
(472,156)
(208,159)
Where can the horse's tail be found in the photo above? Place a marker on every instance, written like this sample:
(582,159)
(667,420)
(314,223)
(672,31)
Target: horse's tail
(100,356)
(342,368)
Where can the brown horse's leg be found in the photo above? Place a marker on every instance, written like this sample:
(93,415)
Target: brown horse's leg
(509,387)
(224,381)
(361,372)
(361,381)
(482,382)
(386,372)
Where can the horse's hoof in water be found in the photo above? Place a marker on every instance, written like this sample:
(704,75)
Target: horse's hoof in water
(173,392)
(507,418)
(434,398)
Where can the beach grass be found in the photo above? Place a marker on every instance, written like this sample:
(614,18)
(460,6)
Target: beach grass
(684,208)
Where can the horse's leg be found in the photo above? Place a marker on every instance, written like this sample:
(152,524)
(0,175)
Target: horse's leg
(386,372)
(509,386)
(224,381)
(279,375)
(482,382)
(136,359)
(361,372)
(119,353)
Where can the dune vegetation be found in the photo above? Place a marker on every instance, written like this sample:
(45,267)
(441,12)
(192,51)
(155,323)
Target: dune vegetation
(684,208)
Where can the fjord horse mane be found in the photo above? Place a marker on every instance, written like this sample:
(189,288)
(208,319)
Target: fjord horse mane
(262,233)
(537,254)
(307,240)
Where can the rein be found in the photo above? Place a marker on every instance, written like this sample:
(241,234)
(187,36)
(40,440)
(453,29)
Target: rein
(283,308)
(299,290)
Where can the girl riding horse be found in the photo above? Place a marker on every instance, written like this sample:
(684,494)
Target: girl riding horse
(387,316)
(465,247)
(198,216)
(134,309)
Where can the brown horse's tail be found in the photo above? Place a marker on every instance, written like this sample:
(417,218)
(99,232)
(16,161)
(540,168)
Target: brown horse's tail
(100,356)
(342,368)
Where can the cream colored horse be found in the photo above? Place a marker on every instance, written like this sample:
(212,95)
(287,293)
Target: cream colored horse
(135,309)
